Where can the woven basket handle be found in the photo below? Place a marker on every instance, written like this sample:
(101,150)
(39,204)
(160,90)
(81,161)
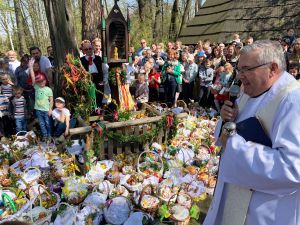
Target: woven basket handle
(7,200)
(161,172)
(20,132)
(143,192)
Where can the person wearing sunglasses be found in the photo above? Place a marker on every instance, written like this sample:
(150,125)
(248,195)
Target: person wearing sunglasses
(93,64)
(259,173)
(142,48)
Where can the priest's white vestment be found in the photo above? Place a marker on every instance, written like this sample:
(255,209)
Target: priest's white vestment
(272,173)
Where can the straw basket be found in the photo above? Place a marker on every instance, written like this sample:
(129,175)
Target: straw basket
(161,170)
(172,205)
(152,208)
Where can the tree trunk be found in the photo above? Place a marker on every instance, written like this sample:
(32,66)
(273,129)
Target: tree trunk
(34,20)
(5,25)
(173,25)
(199,5)
(185,16)
(157,20)
(91,19)
(145,9)
(28,35)
(20,26)
(61,33)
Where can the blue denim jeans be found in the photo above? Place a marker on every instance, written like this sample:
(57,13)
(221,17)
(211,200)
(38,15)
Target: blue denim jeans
(59,129)
(45,122)
(21,124)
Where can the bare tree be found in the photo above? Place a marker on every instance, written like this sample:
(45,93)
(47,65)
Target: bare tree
(91,18)
(173,32)
(145,9)
(5,24)
(61,32)
(20,26)
(157,20)
(185,16)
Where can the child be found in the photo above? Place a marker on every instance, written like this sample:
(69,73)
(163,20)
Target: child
(142,90)
(6,87)
(18,111)
(4,125)
(61,117)
(154,81)
(43,101)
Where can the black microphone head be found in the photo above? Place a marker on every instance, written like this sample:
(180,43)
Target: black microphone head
(234,90)
(233,93)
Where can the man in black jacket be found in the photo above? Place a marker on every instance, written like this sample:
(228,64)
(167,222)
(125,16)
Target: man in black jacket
(93,64)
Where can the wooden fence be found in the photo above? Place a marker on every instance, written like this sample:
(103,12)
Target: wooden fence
(110,147)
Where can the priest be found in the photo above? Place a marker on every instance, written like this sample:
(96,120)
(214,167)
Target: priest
(259,184)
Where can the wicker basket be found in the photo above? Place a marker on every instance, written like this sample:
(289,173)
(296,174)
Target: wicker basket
(151,194)
(17,212)
(160,172)
(184,221)
(49,194)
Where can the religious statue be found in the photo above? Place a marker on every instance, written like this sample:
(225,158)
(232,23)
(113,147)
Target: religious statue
(116,56)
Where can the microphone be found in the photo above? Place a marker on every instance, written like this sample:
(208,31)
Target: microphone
(234,91)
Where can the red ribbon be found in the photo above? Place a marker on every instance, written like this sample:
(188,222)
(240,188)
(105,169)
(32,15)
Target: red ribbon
(90,60)
(170,120)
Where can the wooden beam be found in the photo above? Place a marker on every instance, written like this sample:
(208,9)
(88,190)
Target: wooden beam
(86,129)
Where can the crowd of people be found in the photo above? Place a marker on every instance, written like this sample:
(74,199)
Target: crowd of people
(199,73)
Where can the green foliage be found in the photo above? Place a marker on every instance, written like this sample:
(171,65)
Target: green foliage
(124,116)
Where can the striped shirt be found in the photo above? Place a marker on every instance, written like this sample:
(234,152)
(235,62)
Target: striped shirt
(3,105)
(19,104)
(6,90)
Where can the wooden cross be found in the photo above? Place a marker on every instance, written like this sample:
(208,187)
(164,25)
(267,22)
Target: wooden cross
(116,2)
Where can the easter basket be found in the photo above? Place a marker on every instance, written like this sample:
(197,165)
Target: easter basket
(148,201)
(152,164)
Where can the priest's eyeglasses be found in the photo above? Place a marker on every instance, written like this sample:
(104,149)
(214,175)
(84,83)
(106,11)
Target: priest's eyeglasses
(245,70)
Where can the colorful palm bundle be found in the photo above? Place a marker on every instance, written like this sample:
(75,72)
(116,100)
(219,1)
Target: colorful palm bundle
(117,76)
(78,88)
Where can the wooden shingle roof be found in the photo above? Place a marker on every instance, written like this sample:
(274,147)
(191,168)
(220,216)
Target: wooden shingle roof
(217,20)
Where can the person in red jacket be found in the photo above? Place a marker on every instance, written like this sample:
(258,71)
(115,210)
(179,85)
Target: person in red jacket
(154,82)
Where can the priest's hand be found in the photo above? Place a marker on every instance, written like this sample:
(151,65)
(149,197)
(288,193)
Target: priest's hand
(223,140)
(228,112)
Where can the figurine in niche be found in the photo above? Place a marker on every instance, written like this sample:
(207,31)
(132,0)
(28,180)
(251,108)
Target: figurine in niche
(116,55)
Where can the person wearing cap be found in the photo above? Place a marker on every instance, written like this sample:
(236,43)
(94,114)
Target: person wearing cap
(200,57)
(43,101)
(61,116)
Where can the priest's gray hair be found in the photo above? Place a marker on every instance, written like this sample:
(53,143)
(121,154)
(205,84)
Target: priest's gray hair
(269,51)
